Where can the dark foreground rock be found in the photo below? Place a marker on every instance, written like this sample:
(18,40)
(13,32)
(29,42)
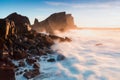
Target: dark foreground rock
(51,60)
(18,54)
(7,73)
(60,39)
(31,73)
(21,64)
(36,65)
(31,61)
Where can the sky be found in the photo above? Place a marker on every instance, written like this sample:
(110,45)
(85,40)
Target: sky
(86,13)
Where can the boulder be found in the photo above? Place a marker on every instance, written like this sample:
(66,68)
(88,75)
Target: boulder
(31,61)
(37,58)
(41,52)
(36,65)
(34,51)
(61,39)
(31,74)
(19,73)
(21,64)
(67,39)
(18,54)
(51,60)
(60,57)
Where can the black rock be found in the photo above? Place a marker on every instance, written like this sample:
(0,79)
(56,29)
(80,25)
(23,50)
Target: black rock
(18,54)
(21,64)
(31,74)
(7,73)
(36,65)
(51,60)
(60,57)
(31,61)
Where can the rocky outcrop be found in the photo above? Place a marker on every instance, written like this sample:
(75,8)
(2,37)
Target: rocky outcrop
(21,22)
(14,24)
(31,73)
(25,46)
(58,21)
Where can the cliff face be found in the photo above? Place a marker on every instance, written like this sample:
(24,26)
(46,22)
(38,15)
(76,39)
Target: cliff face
(21,22)
(58,21)
(2,28)
(13,24)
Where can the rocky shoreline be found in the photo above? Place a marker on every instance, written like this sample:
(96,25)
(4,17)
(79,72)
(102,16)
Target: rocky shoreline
(20,48)
(28,49)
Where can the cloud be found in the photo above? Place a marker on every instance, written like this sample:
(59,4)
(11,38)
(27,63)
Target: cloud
(108,4)
(56,3)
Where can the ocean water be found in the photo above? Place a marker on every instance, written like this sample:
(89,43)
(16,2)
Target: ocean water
(91,55)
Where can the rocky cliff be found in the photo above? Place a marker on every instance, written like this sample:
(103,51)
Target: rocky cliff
(57,21)
(14,24)
(21,22)
(24,46)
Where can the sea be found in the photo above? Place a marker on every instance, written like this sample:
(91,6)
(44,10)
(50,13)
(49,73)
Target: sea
(91,55)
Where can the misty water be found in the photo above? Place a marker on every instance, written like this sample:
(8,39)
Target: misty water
(91,55)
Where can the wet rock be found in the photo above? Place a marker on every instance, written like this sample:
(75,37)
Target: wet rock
(25,70)
(36,65)
(7,73)
(19,73)
(49,41)
(18,54)
(34,51)
(51,60)
(37,58)
(31,74)
(98,44)
(60,57)
(30,61)
(21,64)
(16,69)
(48,50)
(54,37)
(67,39)
(41,52)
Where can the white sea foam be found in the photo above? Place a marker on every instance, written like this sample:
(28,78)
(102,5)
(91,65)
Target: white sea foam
(92,55)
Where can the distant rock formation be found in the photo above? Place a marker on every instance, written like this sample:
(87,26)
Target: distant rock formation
(57,21)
